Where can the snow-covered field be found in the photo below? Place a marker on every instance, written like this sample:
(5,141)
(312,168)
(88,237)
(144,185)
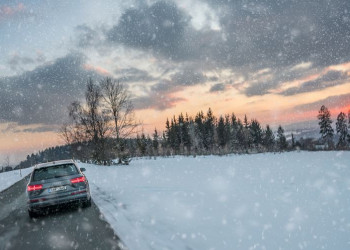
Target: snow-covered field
(298,200)
(7,179)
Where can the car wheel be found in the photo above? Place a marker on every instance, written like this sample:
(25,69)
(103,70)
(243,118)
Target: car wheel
(32,214)
(87,203)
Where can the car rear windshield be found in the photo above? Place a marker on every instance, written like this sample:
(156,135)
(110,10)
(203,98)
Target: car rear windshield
(54,172)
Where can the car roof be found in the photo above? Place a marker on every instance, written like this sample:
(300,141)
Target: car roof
(53,163)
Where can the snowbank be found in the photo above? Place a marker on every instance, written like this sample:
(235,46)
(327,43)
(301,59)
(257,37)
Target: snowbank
(264,201)
(7,179)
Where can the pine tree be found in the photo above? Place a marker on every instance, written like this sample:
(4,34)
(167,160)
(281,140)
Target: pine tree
(247,139)
(177,134)
(181,127)
(149,146)
(192,137)
(221,132)
(199,130)
(174,135)
(245,122)
(293,141)
(234,122)
(141,144)
(233,132)
(269,138)
(155,141)
(227,133)
(243,136)
(241,142)
(325,123)
(256,132)
(209,130)
(281,138)
(164,142)
(171,134)
(184,130)
(167,127)
(342,130)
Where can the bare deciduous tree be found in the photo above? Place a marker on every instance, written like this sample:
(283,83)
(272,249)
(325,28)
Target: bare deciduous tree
(118,104)
(108,112)
(89,123)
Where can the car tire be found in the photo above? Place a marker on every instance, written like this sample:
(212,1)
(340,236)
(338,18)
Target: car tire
(87,203)
(32,214)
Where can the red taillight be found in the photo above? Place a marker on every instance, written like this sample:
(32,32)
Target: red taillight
(76,180)
(34,187)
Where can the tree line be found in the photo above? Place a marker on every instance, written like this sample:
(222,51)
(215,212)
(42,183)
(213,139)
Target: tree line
(49,154)
(103,128)
(206,134)
(100,129)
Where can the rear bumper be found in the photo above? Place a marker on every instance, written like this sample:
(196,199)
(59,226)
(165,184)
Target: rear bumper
(45,203)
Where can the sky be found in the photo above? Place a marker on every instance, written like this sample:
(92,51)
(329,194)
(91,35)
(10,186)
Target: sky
(277,61)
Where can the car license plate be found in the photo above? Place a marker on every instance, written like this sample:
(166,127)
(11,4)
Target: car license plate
(56,189)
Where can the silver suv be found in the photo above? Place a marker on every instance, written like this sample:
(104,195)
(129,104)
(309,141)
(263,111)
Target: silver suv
(57,183)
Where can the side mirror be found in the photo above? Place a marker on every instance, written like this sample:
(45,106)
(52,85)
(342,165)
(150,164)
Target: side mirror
(82,169)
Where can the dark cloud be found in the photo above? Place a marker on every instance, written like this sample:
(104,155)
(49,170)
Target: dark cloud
(13,127)
(164,86)
(330,79)
(262,86)
(159,27)
(278,33)
(16,62)
(42,95)
(213,78)
(165,30)
(188,77)
(161,97)
(86,36)
(134,75)
(178,80)
(19,63)
(337,102)
(41,129)
(156,101)
(253,35)
(217,87)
